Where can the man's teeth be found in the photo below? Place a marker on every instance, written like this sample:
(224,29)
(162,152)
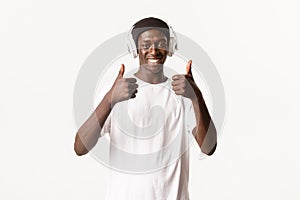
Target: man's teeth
(153,60)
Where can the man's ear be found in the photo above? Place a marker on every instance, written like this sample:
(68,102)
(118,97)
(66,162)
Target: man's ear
(137,49)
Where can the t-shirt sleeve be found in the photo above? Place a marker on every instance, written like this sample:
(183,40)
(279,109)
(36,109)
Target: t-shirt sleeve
(106,127)
(190,117)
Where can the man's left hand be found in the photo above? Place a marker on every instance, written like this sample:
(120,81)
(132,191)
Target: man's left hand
(184,84)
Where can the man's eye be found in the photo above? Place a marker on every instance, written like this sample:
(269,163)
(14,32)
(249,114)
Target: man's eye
(146,46)
(162,45)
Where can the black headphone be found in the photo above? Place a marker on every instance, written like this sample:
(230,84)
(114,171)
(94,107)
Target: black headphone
(173,44)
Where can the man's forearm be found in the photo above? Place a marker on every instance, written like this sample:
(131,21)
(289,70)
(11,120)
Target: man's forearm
(88,134)
(205,132)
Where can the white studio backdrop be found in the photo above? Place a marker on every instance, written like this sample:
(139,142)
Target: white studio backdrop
(254,44)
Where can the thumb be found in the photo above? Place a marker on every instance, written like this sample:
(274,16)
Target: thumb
(189,68)
(121,72)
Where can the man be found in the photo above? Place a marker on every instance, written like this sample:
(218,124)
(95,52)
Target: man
(160,134)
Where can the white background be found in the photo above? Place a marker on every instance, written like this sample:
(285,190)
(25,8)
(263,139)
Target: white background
(254,44)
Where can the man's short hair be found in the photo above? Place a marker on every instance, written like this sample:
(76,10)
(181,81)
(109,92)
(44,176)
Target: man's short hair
(147,24)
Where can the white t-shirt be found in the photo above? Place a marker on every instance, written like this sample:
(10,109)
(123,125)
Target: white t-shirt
(150,137)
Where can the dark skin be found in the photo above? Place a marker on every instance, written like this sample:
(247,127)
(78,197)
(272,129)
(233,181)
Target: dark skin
(88,134)
(153,52)
(149,43)
(205,132)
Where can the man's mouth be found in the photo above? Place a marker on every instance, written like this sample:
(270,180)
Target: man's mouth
(154,60)
(151,60)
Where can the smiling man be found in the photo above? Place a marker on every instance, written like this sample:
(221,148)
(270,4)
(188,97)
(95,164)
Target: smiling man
(146,115)
(152,47)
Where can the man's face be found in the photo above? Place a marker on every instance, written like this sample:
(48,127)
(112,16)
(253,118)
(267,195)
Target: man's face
(153,50)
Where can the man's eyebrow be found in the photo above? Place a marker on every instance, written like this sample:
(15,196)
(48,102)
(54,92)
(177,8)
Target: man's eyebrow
(156,40)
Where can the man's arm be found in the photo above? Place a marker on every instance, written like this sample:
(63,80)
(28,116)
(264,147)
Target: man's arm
(205,132)
(88,134)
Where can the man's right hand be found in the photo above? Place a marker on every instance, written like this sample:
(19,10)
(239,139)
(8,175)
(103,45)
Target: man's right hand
(123,88)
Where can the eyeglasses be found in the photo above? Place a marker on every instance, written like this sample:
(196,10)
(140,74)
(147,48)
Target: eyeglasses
(157,45)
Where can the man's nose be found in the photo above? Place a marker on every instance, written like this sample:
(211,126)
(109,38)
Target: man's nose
(153,49)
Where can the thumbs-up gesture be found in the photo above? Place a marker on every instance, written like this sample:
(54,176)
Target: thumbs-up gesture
(184,84)
(123,88)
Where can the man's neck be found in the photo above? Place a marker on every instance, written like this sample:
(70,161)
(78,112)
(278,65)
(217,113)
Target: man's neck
(152,78)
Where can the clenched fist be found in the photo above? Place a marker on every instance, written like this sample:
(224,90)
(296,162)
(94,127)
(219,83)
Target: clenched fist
(123,88)
(184,84)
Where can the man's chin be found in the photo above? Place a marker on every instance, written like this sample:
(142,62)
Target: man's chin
(153,67)
(154,64)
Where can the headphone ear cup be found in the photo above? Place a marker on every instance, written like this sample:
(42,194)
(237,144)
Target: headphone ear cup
(172,46)
(135,53)
(131,45)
